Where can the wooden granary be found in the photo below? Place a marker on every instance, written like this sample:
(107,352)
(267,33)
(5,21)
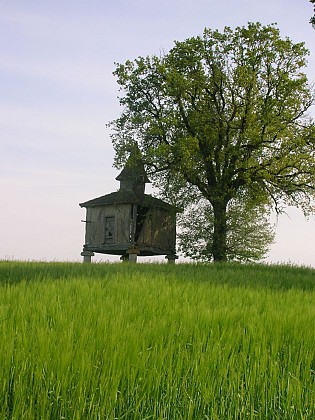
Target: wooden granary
(129,222)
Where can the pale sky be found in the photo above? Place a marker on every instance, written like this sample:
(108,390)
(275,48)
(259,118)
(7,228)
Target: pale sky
(57,92)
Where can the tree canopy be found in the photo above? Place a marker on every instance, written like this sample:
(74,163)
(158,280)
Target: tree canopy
(225,113)
(249,232)
(312,20)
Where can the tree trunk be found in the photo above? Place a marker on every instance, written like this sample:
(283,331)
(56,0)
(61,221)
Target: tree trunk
(219,247)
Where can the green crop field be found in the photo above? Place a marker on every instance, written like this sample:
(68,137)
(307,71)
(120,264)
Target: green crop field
(138,341)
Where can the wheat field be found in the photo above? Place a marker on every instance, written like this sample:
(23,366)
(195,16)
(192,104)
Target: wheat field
(155,341)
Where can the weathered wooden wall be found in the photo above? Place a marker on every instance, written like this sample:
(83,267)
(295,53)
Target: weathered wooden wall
(159,229)
(95,226)
(150,229)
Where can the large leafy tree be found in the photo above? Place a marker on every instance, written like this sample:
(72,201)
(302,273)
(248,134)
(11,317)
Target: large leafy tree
(249,232)
(223,113)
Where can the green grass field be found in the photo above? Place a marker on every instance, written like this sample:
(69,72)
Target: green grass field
(136,341)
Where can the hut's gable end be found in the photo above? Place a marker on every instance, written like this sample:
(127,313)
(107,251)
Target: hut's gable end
(107,225)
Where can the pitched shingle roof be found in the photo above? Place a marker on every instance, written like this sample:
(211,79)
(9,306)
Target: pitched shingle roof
(127,197)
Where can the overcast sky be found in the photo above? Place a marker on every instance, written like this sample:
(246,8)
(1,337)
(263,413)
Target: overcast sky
(57,92)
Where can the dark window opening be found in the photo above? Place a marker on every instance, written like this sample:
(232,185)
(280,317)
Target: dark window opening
(109,229)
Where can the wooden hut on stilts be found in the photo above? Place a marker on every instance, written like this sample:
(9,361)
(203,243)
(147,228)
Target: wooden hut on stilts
(129,222)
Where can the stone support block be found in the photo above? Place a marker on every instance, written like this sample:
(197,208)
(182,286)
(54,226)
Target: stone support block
(87,255)
(133,254)
(171,258)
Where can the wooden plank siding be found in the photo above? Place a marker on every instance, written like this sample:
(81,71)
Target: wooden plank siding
(151,229)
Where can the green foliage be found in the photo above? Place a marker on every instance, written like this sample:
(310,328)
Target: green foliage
(223,112)
(249,233)
(312,20)
(116,341)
